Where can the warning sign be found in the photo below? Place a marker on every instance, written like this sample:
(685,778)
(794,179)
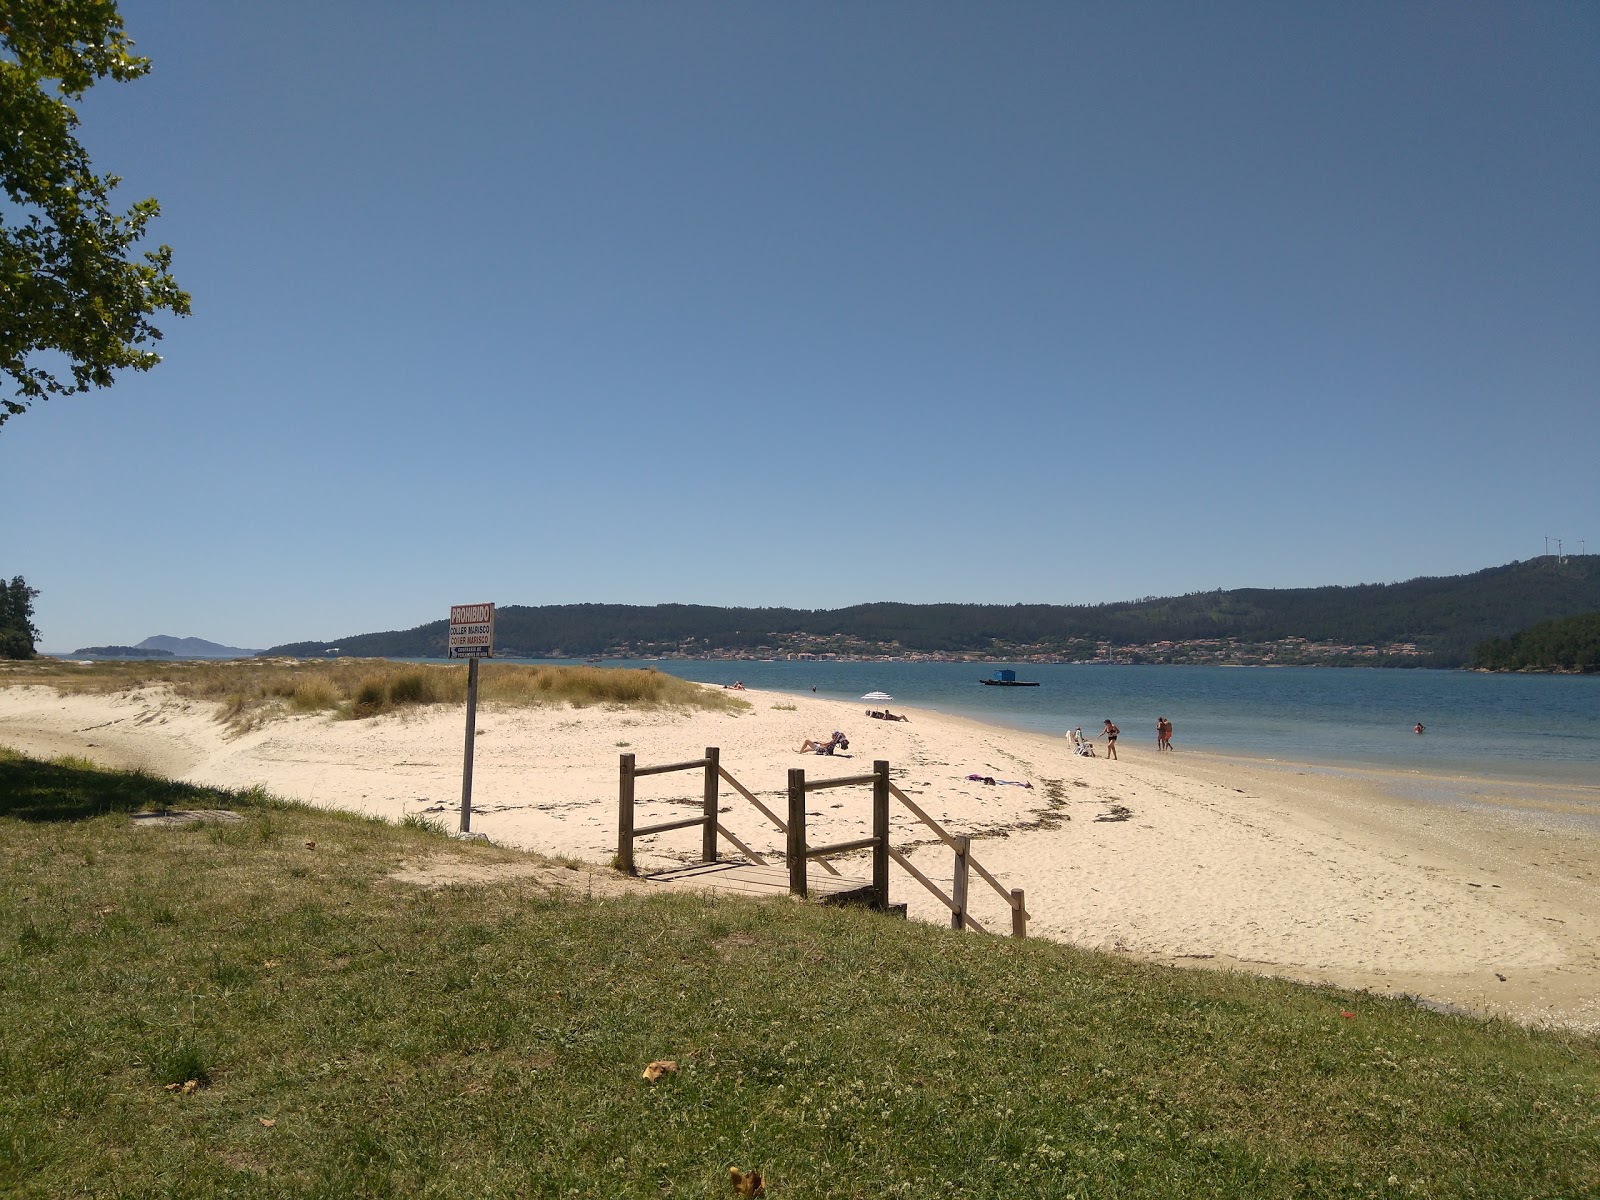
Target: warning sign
(471,631)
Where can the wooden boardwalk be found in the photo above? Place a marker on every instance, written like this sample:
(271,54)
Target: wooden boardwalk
(747,879)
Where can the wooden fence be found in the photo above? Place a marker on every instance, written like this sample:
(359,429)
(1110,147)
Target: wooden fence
(797,852)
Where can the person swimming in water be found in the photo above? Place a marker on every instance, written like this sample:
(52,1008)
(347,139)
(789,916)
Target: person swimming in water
(1419,728)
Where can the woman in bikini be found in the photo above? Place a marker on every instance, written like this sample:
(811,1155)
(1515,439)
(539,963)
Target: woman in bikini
(812,746)
(1111,732)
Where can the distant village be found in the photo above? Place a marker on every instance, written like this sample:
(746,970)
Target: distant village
(799,647)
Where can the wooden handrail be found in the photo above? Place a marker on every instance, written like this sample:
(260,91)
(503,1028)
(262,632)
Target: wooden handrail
(817,785)
(1013,897)
(628,833)
(1005,893)
(841,847)
(693,764)
(796,852)
(641,830)
(905,864)
(783,826)
(923,817)
(740,846)
(751,796)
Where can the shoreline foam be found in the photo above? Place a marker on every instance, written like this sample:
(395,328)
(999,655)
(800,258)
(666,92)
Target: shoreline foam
(1472,899)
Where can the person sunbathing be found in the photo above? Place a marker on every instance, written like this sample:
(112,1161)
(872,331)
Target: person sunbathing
(837,742)
(885,715)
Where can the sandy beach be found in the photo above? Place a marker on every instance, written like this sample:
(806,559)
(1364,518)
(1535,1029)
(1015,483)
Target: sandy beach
(1478,895)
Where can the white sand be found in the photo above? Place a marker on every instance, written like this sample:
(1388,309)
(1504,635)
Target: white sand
(1388,881)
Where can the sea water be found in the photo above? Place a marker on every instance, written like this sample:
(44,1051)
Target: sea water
(1540,727)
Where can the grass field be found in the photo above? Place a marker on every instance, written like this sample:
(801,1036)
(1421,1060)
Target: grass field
(249,692)
(256,1009)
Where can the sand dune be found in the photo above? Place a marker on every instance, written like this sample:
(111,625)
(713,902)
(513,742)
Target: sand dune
(1474,895)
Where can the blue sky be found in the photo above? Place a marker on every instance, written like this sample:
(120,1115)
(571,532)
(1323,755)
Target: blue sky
(816,304)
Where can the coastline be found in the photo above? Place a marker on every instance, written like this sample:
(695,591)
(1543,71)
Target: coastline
(1473,893)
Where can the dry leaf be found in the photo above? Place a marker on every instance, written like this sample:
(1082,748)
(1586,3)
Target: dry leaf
(746,1183)
(183,1089)
(106,911)
(270,963)
(267,1122)
(662,1066)
(311,845)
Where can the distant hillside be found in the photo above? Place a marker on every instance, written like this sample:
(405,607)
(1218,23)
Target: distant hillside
(1571,644)
(1432,621)
(193,647)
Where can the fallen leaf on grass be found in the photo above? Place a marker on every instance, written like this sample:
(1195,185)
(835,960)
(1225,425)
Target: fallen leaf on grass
(183,1089)
(267,1122)
(1344,1012)
(270,963)
(746,1183)
(662,1066)
(311,845)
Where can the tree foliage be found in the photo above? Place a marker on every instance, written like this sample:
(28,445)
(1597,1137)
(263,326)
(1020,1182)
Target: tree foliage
(17,632)
(1572,644)
(75,304)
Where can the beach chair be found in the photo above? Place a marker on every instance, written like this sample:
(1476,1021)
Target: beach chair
(1081,745)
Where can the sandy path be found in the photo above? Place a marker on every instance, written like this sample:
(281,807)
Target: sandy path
(1478,895)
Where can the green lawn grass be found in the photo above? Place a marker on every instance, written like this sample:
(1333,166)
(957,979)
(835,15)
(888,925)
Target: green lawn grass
(352,1036)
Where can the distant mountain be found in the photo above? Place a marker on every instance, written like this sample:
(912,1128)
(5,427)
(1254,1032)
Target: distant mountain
(1433,621)
(193,647)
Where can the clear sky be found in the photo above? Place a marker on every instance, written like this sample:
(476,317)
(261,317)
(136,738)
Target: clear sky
(812,304)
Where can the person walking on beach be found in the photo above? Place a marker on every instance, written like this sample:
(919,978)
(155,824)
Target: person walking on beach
(1111,732)
(1166,735)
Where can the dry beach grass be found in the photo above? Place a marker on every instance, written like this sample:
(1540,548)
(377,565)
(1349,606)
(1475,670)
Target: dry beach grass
(252,692)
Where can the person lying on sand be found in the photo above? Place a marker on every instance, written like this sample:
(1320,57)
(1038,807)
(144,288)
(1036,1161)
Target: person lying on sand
(885,715)
(992,779)
(837,742)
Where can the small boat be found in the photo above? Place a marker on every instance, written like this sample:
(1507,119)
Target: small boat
(1008,679)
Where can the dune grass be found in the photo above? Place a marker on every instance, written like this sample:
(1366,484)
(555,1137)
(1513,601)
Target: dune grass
(249,692)
(254,1009)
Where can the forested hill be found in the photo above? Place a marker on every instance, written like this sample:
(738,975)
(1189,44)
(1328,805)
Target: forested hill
(1570,644)
(1428,621)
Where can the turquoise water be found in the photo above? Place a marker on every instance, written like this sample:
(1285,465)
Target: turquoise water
(1544,727)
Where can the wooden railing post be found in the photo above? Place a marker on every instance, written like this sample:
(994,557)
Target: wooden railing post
(797,832)
(708,835)
(880,833)
(958,914)
(625,816)
(1019,915)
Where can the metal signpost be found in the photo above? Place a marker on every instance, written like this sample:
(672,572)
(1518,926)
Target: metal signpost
(471,637)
